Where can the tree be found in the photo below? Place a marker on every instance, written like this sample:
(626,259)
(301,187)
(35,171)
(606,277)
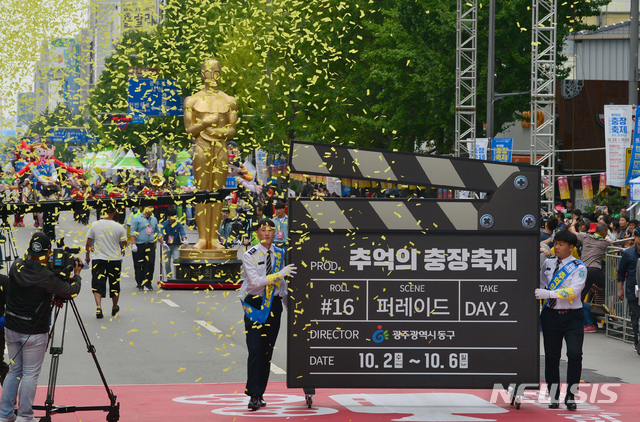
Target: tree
(402,83)
(364,73)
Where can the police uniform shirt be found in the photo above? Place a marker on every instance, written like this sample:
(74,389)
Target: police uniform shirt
(255,270)
(576,280)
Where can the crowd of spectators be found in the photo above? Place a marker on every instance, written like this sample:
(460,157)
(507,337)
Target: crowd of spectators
(596,232)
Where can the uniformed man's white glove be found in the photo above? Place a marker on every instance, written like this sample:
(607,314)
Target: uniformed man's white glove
(545,294)
(86,265)
(134,248)
(165,247)
(288,271)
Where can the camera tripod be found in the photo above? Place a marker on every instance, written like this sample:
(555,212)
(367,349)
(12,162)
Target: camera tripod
(8,251)
(113,408)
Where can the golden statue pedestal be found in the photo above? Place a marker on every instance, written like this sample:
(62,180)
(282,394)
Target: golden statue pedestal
(206,269)
(187,252)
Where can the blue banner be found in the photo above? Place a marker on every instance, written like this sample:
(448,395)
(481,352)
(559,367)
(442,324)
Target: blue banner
(634,161)
(481,148)
(501,149)
(231,183)
(72,136)
(154,97)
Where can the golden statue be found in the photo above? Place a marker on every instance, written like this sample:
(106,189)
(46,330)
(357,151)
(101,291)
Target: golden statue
(210,116)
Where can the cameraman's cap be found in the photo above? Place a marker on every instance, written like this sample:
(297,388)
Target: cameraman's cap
(39,244)
(592,228)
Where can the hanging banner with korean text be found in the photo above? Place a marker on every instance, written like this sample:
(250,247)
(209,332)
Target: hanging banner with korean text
(587,187)
(602,185)
(633,156)
(501,149)
(481,148)
(413,293)
(563,186)
(634,189)
(617,129)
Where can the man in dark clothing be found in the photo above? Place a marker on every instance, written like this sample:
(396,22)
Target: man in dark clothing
(4,368)
(594,246)
(550,226)
(28,312)
(627,282)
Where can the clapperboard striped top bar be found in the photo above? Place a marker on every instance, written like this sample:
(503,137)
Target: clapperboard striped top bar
(400,167)
(508,207)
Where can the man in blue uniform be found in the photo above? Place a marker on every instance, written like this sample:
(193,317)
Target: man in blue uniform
(627,283)
(562,279)
(263,292)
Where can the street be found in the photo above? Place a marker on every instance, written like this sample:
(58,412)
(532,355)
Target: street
(165,338)
(159,337)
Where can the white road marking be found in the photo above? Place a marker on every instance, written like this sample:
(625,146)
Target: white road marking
(171,303)
(277,370)
(208,326)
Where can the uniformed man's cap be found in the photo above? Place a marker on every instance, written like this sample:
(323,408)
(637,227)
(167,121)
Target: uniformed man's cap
(266,221)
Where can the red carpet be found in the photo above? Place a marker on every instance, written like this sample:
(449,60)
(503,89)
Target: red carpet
(226,402)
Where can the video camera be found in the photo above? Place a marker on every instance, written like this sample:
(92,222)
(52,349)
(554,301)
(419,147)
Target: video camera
(63,262)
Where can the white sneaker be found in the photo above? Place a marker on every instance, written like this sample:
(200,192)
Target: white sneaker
(9,419)
(23,419)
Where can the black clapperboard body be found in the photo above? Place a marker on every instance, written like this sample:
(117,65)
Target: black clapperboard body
(413,293)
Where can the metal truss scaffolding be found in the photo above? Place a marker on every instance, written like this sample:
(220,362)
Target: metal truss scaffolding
(466,73)
(543,94)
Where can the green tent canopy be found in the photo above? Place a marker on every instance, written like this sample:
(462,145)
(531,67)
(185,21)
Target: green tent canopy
(129,162)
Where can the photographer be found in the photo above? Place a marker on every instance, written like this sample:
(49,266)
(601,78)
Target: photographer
(28,313)
(4,368)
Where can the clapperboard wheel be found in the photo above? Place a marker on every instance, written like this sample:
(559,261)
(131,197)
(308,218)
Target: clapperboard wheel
(308,396)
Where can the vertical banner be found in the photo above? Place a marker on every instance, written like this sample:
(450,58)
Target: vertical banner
(634,190)
(261,166)
(563,186)
(501,149)
(546,182)
(633,165)
(587,187)
(617,129)
(603,182)
(334,185)
(624,191)
(481,148)
(471,147)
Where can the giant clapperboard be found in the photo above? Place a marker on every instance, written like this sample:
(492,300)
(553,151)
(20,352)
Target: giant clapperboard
(414,293)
